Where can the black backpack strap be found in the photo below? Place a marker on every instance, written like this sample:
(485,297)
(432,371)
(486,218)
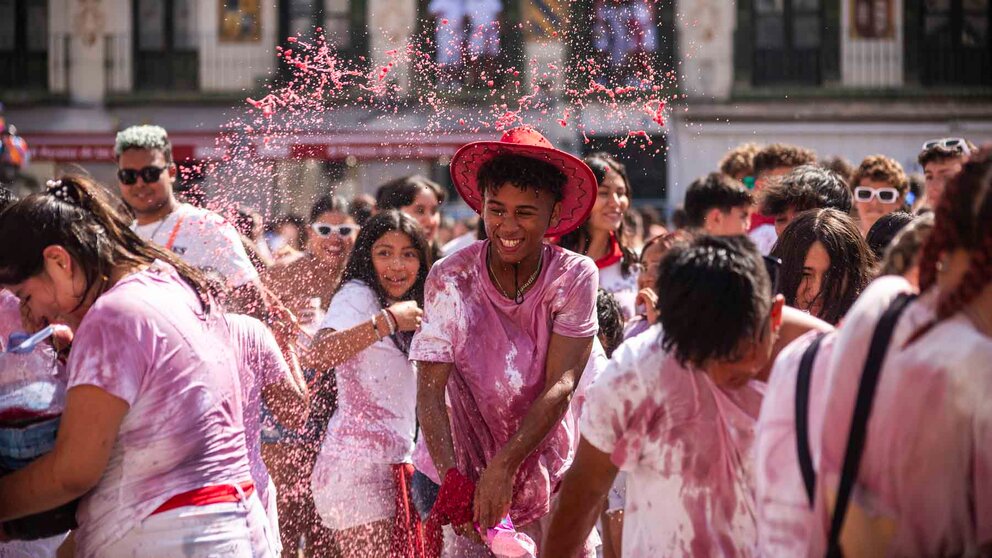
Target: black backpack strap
(802,415)
(862,411)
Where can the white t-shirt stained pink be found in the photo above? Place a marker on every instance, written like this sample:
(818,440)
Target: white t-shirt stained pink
(205,241)
(784,509)
(376,418)
(927,462)
(624,289)
(499,351)
(686,446)
(147,342)
(262,364)
(590,375)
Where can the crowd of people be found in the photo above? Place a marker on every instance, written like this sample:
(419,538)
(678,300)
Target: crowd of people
(796,364)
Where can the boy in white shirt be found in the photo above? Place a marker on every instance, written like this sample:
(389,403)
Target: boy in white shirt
(146,173)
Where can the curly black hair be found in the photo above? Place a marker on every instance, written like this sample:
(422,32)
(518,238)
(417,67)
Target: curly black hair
(713,294)
(523,172)
(610,321)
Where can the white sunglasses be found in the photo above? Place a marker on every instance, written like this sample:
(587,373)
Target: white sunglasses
(884,195)
(958,144)
(323,230)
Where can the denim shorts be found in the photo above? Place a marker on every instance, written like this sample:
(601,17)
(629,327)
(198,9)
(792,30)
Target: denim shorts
(323,402)
(22,445)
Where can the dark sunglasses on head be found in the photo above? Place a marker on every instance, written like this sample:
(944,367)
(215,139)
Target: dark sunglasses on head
(148,174)
(958,144)
(325,231)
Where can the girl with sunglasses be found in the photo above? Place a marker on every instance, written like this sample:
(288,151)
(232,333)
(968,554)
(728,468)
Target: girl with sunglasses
(364,462)
(880,187)
(306,285)
(152,435)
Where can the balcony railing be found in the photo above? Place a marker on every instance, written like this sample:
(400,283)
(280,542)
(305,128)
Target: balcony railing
(872,63)
(209,66)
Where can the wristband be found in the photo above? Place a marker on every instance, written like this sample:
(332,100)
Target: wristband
(375,328)
(393,324)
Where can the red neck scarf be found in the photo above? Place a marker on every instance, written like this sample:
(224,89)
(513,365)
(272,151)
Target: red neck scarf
(613,254)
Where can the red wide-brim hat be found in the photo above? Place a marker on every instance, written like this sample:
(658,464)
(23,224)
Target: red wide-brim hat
(578,196)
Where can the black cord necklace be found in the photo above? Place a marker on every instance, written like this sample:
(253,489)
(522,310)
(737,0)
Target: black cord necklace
(518,297)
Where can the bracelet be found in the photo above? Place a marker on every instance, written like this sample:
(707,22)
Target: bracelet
(375,328)
(393,324)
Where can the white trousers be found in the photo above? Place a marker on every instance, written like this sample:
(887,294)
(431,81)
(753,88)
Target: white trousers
(228,530)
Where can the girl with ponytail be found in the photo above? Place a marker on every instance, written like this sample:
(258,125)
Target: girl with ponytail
(151,436)
(924,485)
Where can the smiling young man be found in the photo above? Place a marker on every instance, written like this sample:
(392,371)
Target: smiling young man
(508,328)
(146,174)
(718,205)
(676,410)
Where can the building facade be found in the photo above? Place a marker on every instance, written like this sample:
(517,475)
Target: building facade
(845,77)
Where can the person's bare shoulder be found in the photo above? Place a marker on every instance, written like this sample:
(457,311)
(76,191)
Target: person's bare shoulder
(795,323)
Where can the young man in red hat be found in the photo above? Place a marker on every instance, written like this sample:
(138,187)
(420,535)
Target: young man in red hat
(507,329)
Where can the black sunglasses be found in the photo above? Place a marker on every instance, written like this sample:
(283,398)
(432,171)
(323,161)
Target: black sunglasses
(148,174)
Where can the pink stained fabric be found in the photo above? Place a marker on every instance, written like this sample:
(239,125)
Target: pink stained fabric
(784,510)
(147,342)
(10,316)
(262,364)
(499,350)
(376,418)
(927,463)
(686,446)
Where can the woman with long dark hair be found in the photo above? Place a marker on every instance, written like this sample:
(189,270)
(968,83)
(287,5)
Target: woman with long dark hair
(365,337)
(601,237)
(420,198)
(152,435)
(825,263)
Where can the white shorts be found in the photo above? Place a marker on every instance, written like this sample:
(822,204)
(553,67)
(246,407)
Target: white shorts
(228,530)
(348,494)
(42,548)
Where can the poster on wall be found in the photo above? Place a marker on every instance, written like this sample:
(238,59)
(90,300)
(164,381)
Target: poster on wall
(240,21)
(872,19)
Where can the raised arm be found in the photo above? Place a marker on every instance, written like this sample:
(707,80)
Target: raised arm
(567,357)
(330,347)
